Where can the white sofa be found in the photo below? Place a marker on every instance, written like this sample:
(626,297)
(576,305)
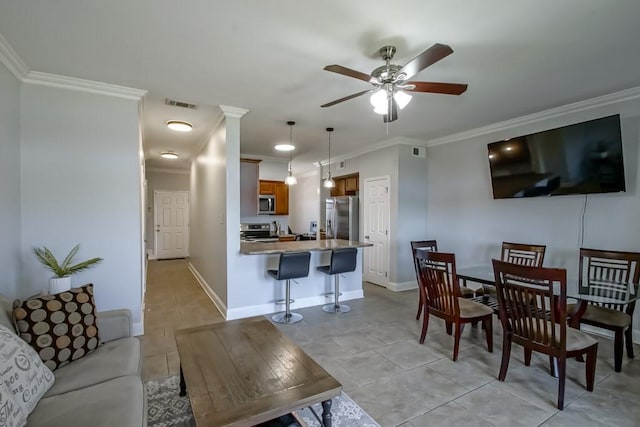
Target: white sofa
(103,388)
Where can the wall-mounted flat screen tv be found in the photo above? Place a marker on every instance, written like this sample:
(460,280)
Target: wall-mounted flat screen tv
(583,158)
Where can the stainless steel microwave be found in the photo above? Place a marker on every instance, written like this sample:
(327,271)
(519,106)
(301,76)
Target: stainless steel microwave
(266,205)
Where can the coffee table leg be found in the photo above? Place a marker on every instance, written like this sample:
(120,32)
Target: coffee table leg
(326,413)
(183,385)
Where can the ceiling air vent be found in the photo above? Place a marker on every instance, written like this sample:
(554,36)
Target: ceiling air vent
(418,152)
(180,104)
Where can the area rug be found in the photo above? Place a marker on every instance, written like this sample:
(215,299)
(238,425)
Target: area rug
(167,409)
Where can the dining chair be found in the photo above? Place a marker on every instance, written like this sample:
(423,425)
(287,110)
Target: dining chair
(521,254)
(535,318)
(439,283)
(614,266)
(432,246)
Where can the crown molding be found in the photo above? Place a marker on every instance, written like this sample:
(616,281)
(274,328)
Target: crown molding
(396,140)
(234,112)
(11,60)
(55,80)
(588,104)
(174,171)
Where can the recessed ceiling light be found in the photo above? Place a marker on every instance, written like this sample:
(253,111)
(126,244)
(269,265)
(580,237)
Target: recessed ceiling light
(179,125)
(284,147)
(169,155)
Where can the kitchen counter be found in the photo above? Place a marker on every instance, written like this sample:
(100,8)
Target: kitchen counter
(261,248)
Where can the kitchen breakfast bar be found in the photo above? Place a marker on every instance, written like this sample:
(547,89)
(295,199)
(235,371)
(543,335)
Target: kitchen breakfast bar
(259,293)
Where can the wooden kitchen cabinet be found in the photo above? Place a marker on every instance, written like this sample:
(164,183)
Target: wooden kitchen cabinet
(281,191)
(339,189)
(351,183)
(346,185)
(268,187)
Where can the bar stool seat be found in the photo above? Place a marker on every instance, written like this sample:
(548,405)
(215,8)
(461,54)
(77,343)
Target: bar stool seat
(342,261)
(291,265)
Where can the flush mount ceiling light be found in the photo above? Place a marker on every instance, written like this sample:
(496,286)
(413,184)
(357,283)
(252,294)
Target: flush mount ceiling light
(169,155)
(329,182)
(290,179)
(179,125)
(284,147)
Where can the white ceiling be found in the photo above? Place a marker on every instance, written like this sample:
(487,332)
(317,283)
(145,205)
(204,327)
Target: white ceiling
(518,57)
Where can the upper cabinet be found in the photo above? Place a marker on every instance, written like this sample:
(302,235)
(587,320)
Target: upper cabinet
(281,192)
(347,185)
(248,187)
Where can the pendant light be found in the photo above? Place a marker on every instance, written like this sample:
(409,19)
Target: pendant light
(329,182)
(290,179)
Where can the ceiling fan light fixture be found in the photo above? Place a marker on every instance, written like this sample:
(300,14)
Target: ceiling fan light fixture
(379,100)
(169,155)
(179,125)
(402,98)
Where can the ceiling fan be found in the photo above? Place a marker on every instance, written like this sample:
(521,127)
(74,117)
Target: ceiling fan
(391,83)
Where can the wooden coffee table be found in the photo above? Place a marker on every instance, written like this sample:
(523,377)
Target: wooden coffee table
(245,372)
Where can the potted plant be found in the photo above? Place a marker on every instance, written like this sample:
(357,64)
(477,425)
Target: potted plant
(61,280)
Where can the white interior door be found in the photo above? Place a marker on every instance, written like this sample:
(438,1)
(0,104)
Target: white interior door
(172,224)
(376,230)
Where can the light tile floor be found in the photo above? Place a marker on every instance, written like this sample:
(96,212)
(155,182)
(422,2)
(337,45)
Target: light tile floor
(374,352)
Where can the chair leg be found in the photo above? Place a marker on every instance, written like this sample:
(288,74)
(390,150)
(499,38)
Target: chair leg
(456,341)
(527,356)
(628,339)
(419,309)
(448,327)
(425,324)
(488,327)
(591,367)
(562,376)
(506,355)
(617,350)
(287,302)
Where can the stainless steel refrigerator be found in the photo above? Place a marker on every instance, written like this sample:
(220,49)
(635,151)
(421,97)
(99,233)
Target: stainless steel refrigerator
(342,220)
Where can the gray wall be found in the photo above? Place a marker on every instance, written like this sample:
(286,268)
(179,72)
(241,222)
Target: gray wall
(81,183)
(208,234)
(10,222)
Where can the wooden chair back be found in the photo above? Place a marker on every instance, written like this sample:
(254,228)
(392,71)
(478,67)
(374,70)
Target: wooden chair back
(529,310)
(429,245)
(523,254)
(610,266)
(437,276)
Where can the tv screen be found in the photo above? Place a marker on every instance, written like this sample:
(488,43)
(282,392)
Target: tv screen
(583,158)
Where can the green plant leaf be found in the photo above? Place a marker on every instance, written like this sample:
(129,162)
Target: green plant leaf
(47,259)
(69,257)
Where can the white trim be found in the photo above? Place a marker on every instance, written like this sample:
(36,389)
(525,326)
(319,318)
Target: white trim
(588,104)
(164,170)
(222,308)
(262,309)
(234,112)
(137,328)
(397,140)
(11,60)
(402,286)
(55,80)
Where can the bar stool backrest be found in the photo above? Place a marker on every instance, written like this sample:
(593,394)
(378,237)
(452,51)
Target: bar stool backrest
(343,260)
(293,265)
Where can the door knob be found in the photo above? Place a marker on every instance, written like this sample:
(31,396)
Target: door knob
(366,237)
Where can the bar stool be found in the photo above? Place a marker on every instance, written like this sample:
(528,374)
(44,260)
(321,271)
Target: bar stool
(292,265)
(342,261)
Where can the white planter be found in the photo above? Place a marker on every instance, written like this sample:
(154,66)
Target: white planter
(59,284)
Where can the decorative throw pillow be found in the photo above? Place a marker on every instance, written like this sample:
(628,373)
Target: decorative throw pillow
(22,371)
(61,327)
(11,414)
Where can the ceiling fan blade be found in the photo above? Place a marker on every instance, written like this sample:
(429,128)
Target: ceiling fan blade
(346,98)
(445,88)
(392,113)
(430,56)
(349,72)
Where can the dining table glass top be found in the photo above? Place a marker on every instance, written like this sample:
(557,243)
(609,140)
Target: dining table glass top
(595,291)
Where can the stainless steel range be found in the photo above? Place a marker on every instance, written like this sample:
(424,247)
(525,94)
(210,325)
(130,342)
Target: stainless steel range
(256,233)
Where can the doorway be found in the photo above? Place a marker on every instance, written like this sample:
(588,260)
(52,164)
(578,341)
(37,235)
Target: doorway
(171,216)
(376,230)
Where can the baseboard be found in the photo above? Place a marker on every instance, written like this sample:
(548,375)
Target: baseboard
(402,286)
(258,310)
(137,329)
(609,334)
(221,306)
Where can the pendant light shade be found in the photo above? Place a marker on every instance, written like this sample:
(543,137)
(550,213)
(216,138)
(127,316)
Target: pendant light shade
(329,182)
(290,179)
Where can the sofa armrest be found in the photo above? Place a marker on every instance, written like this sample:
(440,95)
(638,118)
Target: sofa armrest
(114,324)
